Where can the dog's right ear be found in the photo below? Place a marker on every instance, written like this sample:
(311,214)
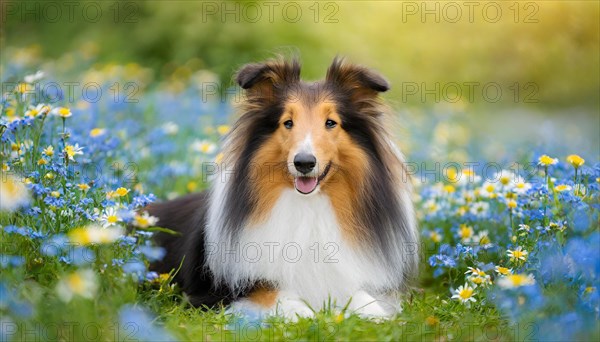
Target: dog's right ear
(262,79)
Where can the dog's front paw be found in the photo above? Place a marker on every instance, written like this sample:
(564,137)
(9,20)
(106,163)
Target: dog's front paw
(292,307)
(367,306)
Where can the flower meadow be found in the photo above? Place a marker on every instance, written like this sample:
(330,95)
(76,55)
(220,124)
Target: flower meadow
(508,253)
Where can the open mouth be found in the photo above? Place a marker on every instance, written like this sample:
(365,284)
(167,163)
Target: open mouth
(306,185)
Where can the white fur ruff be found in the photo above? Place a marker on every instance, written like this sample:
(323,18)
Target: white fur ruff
(299,248)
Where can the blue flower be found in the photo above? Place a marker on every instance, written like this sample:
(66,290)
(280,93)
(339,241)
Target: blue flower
(442,260)
(9,300)
(55,245)
(139,324)
(150,276)
(134,266)
(7,261)
(79,256)
(127,240)
(153,253)
(565,327)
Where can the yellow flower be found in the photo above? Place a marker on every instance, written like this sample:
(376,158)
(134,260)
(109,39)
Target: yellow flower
(110,217)
(219,159)
(5,167)
(23,88)
(37,110)
(475,271)
(503,270)
(516,280)
(478,277)
(483,238)
(95,234)
(55,194)
(50,176)
(468,173)
(10,112)
(71,151)
(435,236)
(432,320)
(575,160)
(144,220)
(465,232)
(452,175)
(522,186)
(32,113)
(431,206)
(13,193)
(562,187)
(518,254)
(545,160)
(96,132)
(63,112)
(449,189)
(556,226)
(512,204)
(464,294)
(49,151)
(204,146)
(82,283)
(223,129)
(83,187)
(120,192)
(42,161)
(524,227)
(192,186)
(462,210)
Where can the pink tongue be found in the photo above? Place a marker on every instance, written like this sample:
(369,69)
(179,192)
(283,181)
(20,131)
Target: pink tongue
(306,184)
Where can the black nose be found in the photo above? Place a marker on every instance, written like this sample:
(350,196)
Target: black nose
(305,162)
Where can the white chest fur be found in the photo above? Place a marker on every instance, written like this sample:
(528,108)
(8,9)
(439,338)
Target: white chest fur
(301,249)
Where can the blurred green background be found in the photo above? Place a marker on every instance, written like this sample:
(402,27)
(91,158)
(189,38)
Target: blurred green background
(510,74)
(542,54)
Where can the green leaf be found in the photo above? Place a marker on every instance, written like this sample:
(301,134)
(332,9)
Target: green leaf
(160,229)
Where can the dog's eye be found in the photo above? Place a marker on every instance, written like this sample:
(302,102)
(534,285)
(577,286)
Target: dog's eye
(330,123)
(288,124)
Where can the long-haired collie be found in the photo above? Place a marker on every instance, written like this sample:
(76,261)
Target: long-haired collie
(310,208)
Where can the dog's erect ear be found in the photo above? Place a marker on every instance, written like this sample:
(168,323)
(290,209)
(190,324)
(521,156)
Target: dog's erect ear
(356,79)
(262,78)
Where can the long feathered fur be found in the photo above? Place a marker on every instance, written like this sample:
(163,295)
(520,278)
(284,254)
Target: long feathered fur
(380,253)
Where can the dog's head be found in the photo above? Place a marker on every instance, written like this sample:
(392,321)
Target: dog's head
(320,132)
